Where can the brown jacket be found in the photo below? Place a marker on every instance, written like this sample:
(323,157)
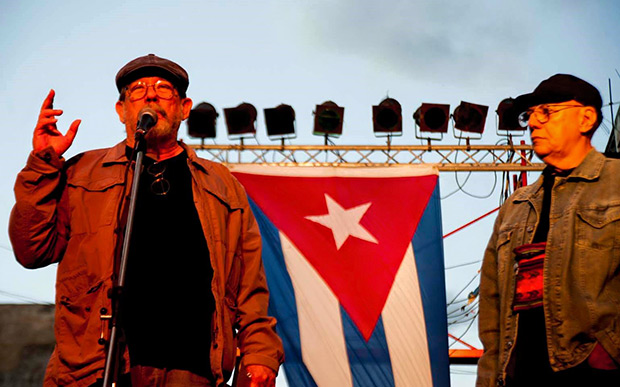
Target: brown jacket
(66,212)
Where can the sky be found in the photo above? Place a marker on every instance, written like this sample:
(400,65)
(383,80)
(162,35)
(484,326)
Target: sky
(301,53)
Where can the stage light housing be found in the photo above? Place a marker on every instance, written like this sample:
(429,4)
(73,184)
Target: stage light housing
(201,122)
(432,117)
(387,118)
(508,118)
(241,121)
(280,122)
(470,117)
(328,118)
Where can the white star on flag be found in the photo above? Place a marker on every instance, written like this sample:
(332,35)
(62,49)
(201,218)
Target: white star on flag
(344,223)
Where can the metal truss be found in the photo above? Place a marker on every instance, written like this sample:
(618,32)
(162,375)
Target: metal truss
(445,157)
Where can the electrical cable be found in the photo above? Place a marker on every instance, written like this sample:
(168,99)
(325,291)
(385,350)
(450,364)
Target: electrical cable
(461,371)
(460,309)
(462,321)
(461,187)
(463,264)
(462,290)
(461,301)
(465,310)
(336,152)
(466,330)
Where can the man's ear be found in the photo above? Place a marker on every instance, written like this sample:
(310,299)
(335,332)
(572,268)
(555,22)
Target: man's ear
(186,105)
(589,117)
(120,110)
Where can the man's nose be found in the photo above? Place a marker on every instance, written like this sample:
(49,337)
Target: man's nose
(533,123)
(151,94)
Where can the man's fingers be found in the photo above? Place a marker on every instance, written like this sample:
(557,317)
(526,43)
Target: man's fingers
(48,103)
(73,130)
(45,122)
(47,134)
(50,112)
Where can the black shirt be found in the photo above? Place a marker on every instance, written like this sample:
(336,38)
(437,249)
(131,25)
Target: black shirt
(168,299)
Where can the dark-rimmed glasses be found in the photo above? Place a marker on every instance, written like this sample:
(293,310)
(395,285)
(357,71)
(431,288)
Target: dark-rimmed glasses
(160,186)
(163,89)
(542,113)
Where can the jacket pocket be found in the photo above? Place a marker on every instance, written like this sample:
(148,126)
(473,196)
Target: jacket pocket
(596,247)
(504,252)
(77,322)
(230,325)
(596,227)
(94,204)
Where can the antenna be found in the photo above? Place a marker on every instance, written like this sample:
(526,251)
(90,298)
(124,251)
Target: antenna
(611,150)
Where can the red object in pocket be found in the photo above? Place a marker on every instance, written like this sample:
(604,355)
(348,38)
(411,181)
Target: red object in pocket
(600,359)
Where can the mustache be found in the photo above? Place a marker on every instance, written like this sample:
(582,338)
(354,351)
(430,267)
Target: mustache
(158,109)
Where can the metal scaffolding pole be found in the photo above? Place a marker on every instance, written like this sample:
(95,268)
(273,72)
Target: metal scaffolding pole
(482,158)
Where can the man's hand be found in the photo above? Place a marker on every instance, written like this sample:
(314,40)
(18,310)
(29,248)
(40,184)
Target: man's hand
(261,376)
(46,134)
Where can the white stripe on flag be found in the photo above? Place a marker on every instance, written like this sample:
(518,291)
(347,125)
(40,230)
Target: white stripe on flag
(405,329)
(320,325)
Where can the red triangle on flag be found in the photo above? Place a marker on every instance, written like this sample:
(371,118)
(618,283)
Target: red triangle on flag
(353,230)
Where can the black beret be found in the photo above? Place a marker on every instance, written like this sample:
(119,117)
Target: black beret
(153,66)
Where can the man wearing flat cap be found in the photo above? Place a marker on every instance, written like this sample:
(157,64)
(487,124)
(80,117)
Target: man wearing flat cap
(195,288)
(550,280)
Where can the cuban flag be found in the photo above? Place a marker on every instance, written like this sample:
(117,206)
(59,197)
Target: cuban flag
(354,264)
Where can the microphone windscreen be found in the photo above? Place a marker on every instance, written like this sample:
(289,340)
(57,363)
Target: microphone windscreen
(147,118)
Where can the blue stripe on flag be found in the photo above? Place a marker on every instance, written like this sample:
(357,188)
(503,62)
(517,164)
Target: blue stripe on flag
(370,362)
(428,252)
(282,301)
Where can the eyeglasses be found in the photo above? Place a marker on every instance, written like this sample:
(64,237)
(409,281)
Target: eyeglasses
(163,89)
(541,113)
(160,186)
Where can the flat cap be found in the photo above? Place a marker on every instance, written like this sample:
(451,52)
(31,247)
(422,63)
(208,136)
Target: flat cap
(562,88)
(153,66)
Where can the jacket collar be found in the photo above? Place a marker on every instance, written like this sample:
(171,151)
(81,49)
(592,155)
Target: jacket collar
(213,180)
(194,159)
(117,154)
(213,184)
(589,170)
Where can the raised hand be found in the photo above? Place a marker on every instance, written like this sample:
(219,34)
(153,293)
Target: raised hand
(46,134)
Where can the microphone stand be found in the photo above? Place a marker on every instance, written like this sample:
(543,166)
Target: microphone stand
(112,363)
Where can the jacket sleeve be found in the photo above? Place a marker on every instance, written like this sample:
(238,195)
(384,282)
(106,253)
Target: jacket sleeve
(488,320)
(38,226)
(258,341)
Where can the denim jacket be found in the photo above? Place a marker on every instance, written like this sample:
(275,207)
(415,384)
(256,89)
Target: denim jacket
(581,288)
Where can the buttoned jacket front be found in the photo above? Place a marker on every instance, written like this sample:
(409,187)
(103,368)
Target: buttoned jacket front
(67,212)
(581,291)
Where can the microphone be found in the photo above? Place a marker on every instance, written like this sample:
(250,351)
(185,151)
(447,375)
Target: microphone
(147,118)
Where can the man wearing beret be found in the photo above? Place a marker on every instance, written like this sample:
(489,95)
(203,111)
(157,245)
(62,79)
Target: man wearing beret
(550,281)
(195,284)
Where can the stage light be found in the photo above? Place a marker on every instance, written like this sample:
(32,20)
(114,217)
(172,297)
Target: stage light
(328,119)
(432,117)
(470,117)
(201,122)
(241,121)
(387,118)
(280,122)
(508,118)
